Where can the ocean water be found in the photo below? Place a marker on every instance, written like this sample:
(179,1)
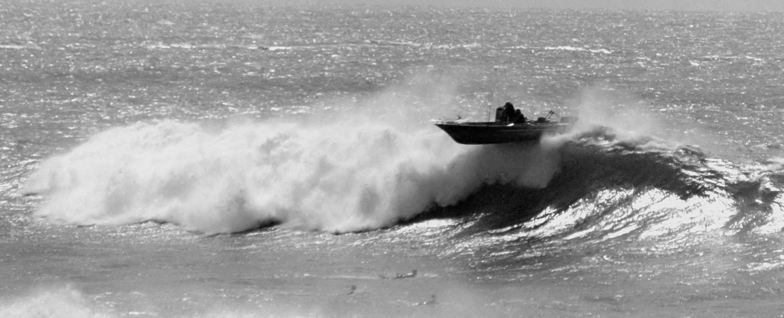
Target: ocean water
(239,160)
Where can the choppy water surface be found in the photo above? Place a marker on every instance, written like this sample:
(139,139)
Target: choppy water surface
(218,160)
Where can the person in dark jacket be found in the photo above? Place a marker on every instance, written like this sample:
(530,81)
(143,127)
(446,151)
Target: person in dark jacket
(509,111)
(519,118)
(508,114)
(500,115)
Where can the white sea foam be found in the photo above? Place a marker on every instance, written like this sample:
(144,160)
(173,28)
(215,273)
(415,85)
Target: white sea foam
(577,49)
(66,301)
(602,105)
(56,302)
(27,46)
(347,175)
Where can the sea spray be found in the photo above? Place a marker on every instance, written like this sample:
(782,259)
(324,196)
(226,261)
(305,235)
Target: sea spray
(346,175)
(614,109)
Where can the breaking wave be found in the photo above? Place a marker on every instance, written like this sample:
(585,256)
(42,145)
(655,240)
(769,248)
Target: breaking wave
(361,175)
(337,177)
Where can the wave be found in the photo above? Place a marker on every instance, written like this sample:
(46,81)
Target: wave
(356,174)
(349,175)
(610,193)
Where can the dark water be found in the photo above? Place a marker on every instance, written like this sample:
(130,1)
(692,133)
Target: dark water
(215,160)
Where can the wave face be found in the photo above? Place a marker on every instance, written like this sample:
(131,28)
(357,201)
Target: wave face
(336,177)
(631,198)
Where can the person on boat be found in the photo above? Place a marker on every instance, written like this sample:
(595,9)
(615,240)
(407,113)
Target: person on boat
(509,111)
(500,115)
(519,117)
(505,114)
(508,114)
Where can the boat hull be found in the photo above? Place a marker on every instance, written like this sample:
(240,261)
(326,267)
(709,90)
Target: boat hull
(480,133)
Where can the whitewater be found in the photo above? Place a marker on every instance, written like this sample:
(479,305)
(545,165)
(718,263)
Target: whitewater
(338,177)
(247,160)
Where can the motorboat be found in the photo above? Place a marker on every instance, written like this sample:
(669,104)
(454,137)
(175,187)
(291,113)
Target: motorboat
(500,131)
